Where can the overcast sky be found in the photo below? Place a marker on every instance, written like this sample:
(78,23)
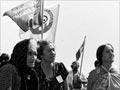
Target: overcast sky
(97,20)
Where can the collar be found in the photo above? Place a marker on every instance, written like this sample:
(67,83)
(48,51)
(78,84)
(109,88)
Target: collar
(106,68)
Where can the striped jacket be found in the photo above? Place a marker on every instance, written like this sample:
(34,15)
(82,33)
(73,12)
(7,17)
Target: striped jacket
(9,79)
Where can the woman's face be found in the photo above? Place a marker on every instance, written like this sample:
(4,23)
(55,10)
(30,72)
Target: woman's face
(49,53)
(108,54)
(32,55)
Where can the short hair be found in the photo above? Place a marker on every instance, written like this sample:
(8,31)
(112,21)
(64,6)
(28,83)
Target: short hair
(42,44)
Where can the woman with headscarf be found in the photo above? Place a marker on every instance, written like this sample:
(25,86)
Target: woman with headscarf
(104,77)
(52,75)
(19,74)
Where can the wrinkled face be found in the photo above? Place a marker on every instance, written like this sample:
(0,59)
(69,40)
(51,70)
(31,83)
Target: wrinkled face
(32,54)
(108,54)
(49,53)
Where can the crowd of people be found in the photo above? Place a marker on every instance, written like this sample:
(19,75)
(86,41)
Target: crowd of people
(32,66)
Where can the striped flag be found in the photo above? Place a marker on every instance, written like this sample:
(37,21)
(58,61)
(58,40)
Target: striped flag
(80,50)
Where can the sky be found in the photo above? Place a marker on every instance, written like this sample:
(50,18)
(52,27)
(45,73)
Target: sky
(97,20)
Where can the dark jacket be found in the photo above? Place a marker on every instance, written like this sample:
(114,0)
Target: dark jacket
(52,83)
(29,79)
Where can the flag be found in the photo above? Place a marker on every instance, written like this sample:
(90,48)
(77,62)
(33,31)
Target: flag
(38,12)
(36,21)
(22,14)
(50,19)
(80,50)
(25,15)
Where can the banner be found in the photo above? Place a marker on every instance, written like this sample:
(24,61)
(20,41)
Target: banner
(24,15)
(50,22)
(50,19)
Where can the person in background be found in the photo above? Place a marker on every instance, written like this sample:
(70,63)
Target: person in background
(52,75)
(19,73)
(75,79)
(104,77)
(4,59)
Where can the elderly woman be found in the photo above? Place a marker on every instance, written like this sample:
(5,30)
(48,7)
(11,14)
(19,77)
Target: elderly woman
(104,77)
(19,74)
(52,75)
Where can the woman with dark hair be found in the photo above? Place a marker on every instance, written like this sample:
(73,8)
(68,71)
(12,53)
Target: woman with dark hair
(104,77)
(19,74)
(52,75)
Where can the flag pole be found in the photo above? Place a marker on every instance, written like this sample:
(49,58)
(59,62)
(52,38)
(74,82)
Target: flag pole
(82,55)
(42,11)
